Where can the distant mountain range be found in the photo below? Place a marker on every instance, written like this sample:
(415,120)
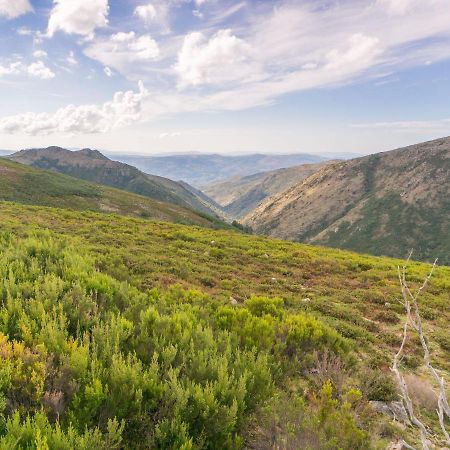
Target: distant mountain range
(240,195)
(199,170)
(93,166)
(27,185)
(382,204)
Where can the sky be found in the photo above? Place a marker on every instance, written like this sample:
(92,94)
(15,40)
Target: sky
(223,76)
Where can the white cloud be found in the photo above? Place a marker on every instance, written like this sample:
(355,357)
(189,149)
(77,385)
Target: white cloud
(221,59)
(78,16)
(71,59)
(267,52)
(35,70)
(399,7)
(40,70)
(169,135)
(146,12)
(24,31)
(406,125)
(122,50)
(40,54)
(156,14)
(14,68)
(360,51)
(14,8)
(124,109)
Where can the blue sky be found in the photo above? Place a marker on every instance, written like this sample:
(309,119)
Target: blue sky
(224,76)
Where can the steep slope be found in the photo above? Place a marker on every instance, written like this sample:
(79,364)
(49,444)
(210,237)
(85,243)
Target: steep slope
(383,204)
(200,170)
(124,333)
(24,184)
(91,165)
(216,207)
(238,196)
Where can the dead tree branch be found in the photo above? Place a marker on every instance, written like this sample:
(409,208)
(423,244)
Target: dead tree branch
(414,321)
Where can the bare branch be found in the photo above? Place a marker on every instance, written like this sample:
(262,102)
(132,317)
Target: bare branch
(405,394)
(406,445)
(440,413)
(414,320)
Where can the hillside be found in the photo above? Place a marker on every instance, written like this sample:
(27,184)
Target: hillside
(383,204)
(91,165)
(23,184)
(200,170)
(123,333)
(238,196)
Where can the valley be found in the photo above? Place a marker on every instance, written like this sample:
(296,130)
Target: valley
(224,225)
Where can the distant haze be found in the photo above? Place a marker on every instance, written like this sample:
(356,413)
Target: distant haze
(198,169)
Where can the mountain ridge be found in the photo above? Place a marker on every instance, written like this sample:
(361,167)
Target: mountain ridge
(383,204)
(28,185)
(92,165)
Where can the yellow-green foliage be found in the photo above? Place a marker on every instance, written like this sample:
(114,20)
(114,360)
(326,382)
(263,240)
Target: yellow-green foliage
(120,333)
(323,422)
(174,368)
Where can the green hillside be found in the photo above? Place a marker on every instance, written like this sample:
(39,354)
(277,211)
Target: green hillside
(23,184)
(91,165)
(117,332)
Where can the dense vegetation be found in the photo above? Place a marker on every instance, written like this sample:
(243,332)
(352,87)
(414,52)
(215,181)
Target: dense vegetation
(23,184)
(123,333)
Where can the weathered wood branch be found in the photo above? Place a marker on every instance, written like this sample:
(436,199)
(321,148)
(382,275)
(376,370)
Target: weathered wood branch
(414,321)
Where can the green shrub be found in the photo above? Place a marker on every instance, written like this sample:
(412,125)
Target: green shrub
(377,385)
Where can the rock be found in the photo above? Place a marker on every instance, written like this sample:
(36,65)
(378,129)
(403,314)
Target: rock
(397,445)
(306,300)
(233,301)
(395,410)
(387,304)
(273,279)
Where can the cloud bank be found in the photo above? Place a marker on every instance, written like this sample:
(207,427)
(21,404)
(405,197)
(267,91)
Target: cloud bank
(125,108)
(234,55)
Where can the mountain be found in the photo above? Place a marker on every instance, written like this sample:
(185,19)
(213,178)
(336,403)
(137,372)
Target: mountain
(383,204)
(238,196)
(200,170)
(91,165)
(121,333)
(5,152)
(24,184)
